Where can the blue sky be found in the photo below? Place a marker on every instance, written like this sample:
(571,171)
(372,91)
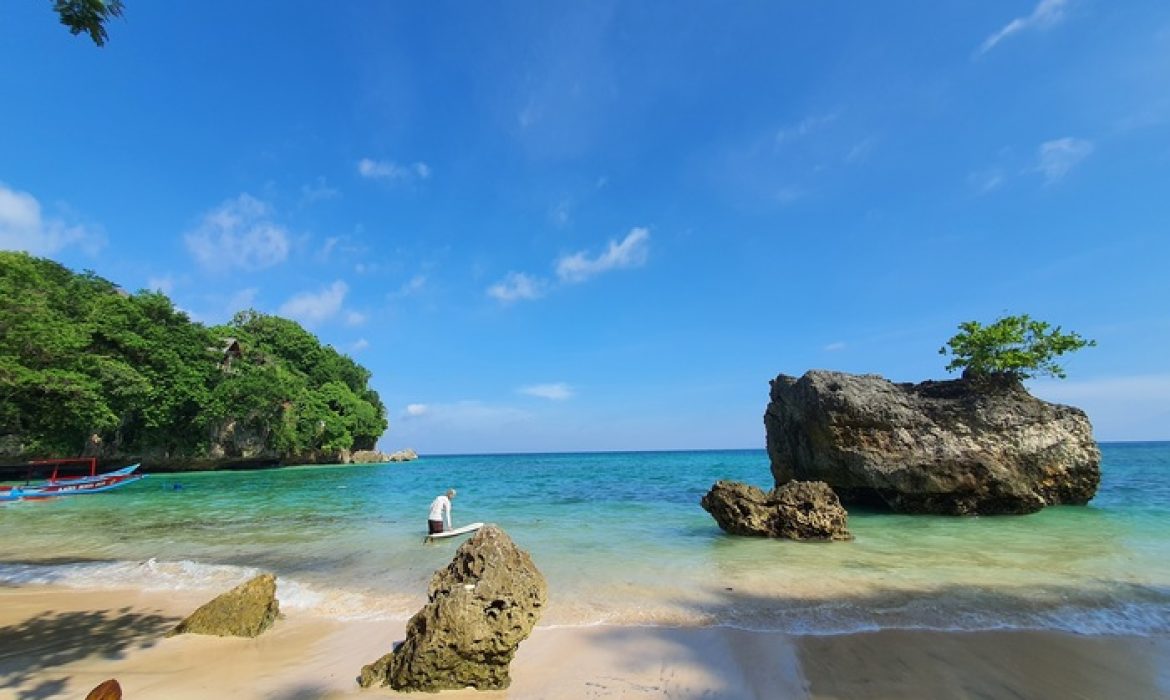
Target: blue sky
(603,226)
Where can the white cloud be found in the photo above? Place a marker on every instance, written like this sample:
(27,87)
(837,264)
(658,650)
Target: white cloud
(23,228)
(1120,408)
(554,392)
(517,286)
(807,126)
(239,233)
(391,171)
(243,299)
(359,345)
(985,181)
(561,213)
(311,308)
(790,194)
(354,318)
(411,287)
(164,284)
(318,191)
(1046,14)
(835,347)
(415,410)
(630,252)
(1059,156)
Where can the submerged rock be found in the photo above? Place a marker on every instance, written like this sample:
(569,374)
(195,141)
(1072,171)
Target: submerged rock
(245,611)
(480,608)
(798,510)
(953,447)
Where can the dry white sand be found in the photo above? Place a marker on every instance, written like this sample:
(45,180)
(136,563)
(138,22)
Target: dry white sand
(60,643)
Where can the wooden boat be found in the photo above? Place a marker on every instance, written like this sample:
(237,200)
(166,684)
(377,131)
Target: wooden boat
(60,483)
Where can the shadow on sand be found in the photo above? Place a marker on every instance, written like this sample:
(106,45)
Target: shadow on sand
(49,640)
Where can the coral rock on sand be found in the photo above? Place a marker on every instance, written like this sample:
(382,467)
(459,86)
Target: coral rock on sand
(967,446)
(109,690)
(480,608)
(245,611)
(798,510)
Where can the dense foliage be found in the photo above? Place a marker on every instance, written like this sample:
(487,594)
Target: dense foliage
(80,357)
(1015,345)
(89,16)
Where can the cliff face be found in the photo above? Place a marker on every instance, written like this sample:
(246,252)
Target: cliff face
(952,447)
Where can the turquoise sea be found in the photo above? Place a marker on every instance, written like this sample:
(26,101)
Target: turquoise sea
(621,539)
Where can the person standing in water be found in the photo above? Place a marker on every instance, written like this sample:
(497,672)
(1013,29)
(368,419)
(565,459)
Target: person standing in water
(440,513)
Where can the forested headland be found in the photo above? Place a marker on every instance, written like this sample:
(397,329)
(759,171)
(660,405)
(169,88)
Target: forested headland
(88,368)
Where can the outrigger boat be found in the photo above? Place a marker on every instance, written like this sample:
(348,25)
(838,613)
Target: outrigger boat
(59,484)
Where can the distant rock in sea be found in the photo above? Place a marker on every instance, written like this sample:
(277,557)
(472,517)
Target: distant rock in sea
(245,611)
(480,608)
(798,510)
(374,456)
(958,447)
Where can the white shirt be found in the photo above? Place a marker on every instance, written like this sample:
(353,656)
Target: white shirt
(441,510)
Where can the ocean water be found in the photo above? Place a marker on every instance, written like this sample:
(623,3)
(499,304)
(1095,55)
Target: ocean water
(621,539)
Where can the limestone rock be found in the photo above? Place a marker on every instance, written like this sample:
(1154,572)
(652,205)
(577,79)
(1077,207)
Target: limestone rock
(375,456)
(957,447)
(480,608)
(798,510)
(245,611)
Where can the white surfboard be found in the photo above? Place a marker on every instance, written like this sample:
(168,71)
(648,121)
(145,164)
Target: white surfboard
(457,531)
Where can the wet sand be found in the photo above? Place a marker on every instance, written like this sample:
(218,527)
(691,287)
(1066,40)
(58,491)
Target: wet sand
(60,643)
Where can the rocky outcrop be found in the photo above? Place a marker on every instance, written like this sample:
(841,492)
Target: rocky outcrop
(480,608)
(375,456)
(245,611)
(798,510)
(959,447)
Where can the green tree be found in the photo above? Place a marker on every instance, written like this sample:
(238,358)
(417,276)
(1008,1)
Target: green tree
(89,16)
(1019,346)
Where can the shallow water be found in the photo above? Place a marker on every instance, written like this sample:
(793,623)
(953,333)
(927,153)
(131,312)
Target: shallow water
(621,538)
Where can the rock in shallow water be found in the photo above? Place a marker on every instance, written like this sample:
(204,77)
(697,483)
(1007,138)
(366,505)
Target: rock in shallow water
(798,510)
(480,608)
(955,447)
(245,611)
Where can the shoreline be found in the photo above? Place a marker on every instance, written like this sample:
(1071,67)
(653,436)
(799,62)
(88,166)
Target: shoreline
(61,642)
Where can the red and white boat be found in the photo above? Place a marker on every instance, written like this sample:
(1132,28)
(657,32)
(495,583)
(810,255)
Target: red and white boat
(61,483)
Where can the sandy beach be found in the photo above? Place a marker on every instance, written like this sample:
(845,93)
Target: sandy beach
(60,643)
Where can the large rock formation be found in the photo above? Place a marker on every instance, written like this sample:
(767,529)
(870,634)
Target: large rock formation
(798,510)
(480,608)
(245,611)
(959,447)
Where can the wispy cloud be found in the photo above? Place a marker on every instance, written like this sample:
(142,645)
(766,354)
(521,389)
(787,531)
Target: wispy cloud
(239,233)
(354,318)
(316,307)
(632,251)
(517,286)
(554,392)
(835,347)
(164,284)
(805,127)
(411,287)
(1046,14)
(1057,157)
(985,181)
(359,345)
(392,172)
(318,191)
(22,227)
(414,410)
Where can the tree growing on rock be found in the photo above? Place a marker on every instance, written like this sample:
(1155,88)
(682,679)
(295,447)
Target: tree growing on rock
(1017,346)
